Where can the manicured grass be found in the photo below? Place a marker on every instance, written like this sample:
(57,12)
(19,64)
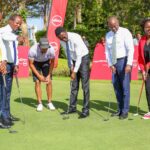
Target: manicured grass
(47,131)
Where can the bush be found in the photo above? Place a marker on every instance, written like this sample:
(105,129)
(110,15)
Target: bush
(62,68)
(40,34)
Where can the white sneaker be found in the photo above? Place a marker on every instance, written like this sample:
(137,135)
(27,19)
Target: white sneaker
(39,107)
(146,116)
(51,106)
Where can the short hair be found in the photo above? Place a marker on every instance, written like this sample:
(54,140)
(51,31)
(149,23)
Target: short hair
(14,16)
(58,30)
(112,17)
(144,21)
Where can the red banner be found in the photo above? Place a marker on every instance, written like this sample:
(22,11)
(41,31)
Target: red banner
(57,15)
(23,61)
(100,69)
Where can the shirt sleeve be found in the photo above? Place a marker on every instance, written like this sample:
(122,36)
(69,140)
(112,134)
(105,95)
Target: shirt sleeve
(141,61)
(78,52)
(3,50)
(52,52)
(8,36)
(108,53)
(31,54)
(129,47)
(17,59)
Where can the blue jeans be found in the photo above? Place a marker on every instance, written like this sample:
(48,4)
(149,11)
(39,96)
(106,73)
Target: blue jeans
(5,93)
(121,83)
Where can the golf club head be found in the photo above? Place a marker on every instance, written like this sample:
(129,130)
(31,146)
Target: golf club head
(135,114)
(130,119)
(65,117)
(23,122)
(12,131)
(105,119)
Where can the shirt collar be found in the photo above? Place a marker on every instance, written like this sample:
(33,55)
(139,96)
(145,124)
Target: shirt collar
(69,38)
(113,33)
(9,28)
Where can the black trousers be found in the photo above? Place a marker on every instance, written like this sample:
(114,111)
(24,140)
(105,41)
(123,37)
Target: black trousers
(147,89)
(83,74)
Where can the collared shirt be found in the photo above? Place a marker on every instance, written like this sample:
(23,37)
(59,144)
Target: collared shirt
(9,37)
(36,55)
(124,45)
(77,48)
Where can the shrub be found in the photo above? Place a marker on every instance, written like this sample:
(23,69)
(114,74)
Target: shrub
(62,68)
(39,34)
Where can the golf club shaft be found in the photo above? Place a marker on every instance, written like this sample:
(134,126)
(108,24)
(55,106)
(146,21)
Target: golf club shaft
(141,90)
(109,104)
(4,80)
(17,82)
(67,115)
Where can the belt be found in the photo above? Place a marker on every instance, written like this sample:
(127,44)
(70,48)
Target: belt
(121,58)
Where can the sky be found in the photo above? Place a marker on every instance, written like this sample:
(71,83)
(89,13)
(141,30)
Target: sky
(37,22)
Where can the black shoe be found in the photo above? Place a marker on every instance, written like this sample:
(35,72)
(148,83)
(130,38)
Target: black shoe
(69,112)
(83,115)
(7,122)
(123,116)
(116,114)
(13,118)
(3,126)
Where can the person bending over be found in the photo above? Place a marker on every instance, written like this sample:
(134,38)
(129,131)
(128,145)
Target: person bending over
(41,61)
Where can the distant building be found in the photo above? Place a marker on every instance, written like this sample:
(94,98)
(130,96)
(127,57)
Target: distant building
(34,24)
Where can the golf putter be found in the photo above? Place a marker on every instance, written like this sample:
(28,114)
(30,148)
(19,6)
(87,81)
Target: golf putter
(97,114)
(137,111)
(109,105)
(66,115)
(5,86)
(17,82)
(106,119)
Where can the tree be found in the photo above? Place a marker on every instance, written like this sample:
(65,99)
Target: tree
(94,14)
(38,8)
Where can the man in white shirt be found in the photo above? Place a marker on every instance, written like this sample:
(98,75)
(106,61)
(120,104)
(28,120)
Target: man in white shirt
(10,40)
(41,61)
(2,53)
(119,54)
(78,62)
(2,72)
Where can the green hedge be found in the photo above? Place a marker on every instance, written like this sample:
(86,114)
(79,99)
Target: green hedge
(62,68)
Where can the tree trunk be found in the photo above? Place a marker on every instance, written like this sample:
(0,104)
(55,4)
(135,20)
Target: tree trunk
(47,13)
(75,19)
(79,13)
(24,27)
